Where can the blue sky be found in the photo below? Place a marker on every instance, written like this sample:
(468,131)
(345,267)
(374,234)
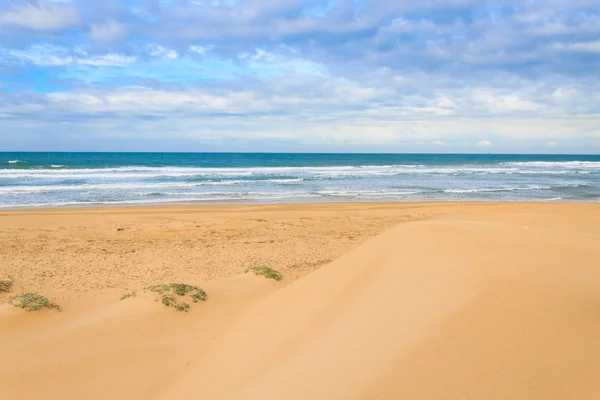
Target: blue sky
(300,75)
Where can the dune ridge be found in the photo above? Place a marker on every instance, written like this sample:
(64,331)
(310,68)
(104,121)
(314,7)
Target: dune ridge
(393,320)
(496,301)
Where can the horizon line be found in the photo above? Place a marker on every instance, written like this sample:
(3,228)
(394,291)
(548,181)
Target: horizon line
(298,152)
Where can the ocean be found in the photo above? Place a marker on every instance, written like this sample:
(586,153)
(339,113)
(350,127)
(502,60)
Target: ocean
(84,179)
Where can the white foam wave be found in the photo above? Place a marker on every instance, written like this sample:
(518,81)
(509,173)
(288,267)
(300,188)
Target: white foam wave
(92,203)
(290,180)
(392,166)
(134,185)
(224,194)
(353,193)
(561,164)
(272,197)
(332,172)
(505,189)
(201,170)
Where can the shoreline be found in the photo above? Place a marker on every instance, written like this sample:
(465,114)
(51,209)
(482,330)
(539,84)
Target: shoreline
(217,205)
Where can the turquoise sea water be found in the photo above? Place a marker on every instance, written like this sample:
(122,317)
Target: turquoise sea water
(71,179)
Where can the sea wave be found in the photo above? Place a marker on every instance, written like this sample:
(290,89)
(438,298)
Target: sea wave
(271,197)
(561,164)
(377,193)
(501,189)
(169,169)
(297,172)
(59,182)
(135,185)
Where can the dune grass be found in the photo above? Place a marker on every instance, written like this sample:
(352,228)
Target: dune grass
(172,294)
(32,302)
(267,272)
(5,286)
(128,295)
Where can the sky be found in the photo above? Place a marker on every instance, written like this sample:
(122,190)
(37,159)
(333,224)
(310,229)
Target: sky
(454,76)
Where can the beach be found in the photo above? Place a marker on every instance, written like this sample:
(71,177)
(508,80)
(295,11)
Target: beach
(472,300)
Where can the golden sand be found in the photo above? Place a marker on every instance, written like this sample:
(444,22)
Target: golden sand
(379,301)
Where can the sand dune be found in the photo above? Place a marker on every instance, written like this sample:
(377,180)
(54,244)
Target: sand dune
(493,301)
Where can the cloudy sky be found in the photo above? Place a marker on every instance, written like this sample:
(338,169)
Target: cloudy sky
(300,75)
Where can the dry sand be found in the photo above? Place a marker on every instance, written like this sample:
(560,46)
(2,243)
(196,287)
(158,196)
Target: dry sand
(379,301)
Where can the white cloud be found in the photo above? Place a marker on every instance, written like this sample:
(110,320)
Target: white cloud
(46,55)
(42,16)
(163,52)
(590,47)
(445,103)
(197,116)
(215,3)
(331,121)
(106,60)
(284,62)
(107,32)
(197,49)
(562,94)
(495,102)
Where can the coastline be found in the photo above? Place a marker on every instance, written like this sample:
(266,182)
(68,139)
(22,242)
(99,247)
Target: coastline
(449,299)
(195,205)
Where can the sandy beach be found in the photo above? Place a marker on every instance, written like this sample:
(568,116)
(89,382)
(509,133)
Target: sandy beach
(377,301)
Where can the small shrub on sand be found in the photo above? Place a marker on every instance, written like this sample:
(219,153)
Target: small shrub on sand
(5,286)
(172,292)
(267,272)
(32,302)
(128,295)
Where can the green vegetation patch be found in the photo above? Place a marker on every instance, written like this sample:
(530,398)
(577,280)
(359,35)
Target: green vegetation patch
(171,294)
(128,295)
(267,272)
(5,286)
(32,302)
